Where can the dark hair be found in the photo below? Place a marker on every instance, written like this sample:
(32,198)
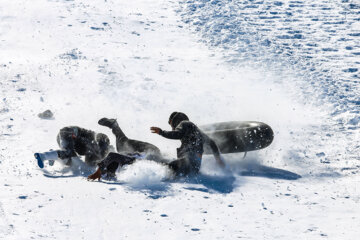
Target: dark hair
(176,118)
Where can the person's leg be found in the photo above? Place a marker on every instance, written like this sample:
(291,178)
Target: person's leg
(180,167)
(188,165)
(110,164)
(65,153)
(112,167)
(50,156)
(117,158)
(194,162)
(116,130)
(131,145)
(126,145)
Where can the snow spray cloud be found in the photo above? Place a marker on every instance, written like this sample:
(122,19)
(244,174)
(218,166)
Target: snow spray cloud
(144,175)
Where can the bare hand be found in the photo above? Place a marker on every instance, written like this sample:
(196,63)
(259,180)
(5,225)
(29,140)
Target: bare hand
(155,130)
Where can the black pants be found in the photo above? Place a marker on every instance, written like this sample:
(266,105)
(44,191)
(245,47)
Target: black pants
(126,145)
(113,161)
(187,165)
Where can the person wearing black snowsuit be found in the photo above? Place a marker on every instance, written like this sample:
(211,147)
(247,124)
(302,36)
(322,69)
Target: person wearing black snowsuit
(189,154)
(193,141)
(74,141)
(79,141)
(128,151)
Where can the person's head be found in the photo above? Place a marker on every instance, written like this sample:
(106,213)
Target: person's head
(103,141)
(176,118)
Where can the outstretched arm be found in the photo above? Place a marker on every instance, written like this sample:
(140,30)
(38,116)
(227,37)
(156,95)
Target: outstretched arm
(176,134)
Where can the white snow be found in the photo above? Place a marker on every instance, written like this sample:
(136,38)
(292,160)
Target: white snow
(217,60)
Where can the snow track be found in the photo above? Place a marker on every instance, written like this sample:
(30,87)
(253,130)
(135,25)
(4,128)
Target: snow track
(140,60)
(312,48)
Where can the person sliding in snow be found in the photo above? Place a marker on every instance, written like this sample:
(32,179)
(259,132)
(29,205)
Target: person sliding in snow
(128,151)
(192,140)
(189,154)
(74,141)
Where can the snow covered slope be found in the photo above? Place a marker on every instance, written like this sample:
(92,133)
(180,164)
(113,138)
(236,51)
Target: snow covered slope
(291,64)
(311,47)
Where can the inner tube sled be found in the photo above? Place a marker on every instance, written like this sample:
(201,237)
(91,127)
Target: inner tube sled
(239,136)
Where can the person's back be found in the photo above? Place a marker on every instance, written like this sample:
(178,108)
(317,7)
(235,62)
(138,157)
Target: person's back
(74,141)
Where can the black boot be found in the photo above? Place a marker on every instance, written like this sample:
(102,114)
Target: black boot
(107,122)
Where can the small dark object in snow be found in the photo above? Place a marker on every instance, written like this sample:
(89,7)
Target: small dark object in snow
(21,90)
(97,28)
(22,197)
(46,115)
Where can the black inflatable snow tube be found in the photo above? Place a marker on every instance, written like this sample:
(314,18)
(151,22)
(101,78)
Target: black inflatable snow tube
(237,136)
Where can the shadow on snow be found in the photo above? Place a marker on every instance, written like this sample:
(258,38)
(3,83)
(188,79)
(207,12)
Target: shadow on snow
(257,170)
(207,183)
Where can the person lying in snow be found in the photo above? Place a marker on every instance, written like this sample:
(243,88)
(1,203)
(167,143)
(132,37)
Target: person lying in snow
(189,154)
(125,145)
(74,141)
(128,151)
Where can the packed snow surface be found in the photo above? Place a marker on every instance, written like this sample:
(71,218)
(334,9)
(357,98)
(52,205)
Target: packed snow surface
(291,64)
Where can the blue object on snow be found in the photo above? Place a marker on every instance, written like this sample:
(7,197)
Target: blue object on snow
(39,160)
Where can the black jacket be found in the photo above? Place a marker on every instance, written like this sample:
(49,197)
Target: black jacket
(192,139)
(76,140)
